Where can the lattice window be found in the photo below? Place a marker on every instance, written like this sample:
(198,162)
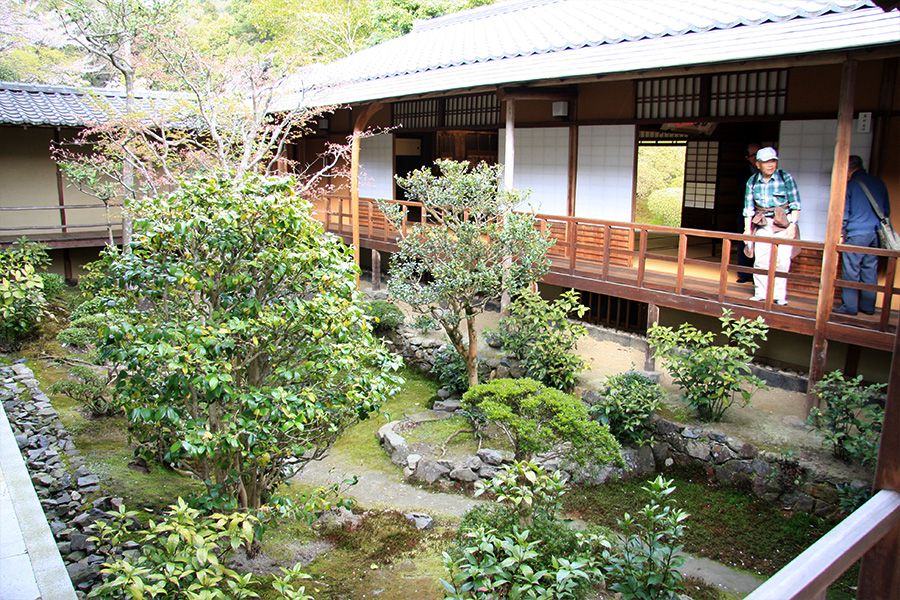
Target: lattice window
(417,114)
(670,98)
(748,94)
(469,111)
(700,174)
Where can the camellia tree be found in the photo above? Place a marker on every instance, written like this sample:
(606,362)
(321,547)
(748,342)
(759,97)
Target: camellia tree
(471,248)
(243,348)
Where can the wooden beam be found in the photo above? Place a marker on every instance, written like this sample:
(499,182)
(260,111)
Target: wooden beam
(881,132)
(60,189)
(833,229)
(358,126)
(569,92)
(879,574)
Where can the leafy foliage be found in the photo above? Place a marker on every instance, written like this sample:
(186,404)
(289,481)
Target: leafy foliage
(386,316)
(536,418)
(629,401)
(181,556)
(665,206)
(851,420)
(712,376)
(244,346)
(450,369)
(85,322)
(472,249)
(541,334)
(23,304)
(659,167)
(519,548)
(90,388)
(647,567)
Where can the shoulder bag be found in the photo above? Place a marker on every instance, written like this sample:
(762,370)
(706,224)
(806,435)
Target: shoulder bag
(887,237)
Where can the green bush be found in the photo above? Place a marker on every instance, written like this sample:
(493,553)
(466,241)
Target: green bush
(541,334)
(450,369)
(851,420)
(536,418)
(629,401)
(647,566)
(386,316)
(713,377)
(89,388)
(518,548)
(23,304)
(665,206)
(53,285)
(85,322)
(182,556)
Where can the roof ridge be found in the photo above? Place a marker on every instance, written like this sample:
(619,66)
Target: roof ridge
(18,86)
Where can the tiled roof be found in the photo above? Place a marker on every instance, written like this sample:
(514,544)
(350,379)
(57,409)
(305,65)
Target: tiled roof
(530,40)
(29,104)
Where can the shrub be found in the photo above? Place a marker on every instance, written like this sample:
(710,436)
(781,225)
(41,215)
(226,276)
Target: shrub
(535,418)
(713,377)
(90,389)
(85,322)
(22,301)
(386,316)
(181,556)
(54,285)
(541,334)
(851,421)
(518,548)
(629,400)
(665,205)
(647,566)
(450,369)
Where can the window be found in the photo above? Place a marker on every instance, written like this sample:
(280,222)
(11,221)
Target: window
(748,94)
(472,110)
(700,174)
(674,97)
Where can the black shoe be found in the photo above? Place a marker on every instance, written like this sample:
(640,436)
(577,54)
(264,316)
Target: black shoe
(843,310)
(867,312)
(744,279)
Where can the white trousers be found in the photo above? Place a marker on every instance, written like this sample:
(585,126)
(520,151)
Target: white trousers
(761,253)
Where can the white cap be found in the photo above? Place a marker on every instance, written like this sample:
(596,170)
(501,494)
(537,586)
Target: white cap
(767,153)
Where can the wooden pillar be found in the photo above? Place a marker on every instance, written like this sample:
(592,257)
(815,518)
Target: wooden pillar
(882,119)
(833,229)
(358,126)
(652,319)
(60,188)
(573,169)
(376,269)
(879,574)
(67,266)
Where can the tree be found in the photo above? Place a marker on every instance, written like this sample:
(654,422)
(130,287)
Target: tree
(472,248)
(243,345)
(34,47)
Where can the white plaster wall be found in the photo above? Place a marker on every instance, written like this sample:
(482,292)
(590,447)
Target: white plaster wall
(605,180)
(376,167)
(541,166)
(806,151)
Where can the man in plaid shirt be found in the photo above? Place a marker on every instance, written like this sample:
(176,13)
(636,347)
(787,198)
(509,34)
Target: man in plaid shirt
(770,188)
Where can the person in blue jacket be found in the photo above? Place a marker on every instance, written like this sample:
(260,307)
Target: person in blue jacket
(861,229)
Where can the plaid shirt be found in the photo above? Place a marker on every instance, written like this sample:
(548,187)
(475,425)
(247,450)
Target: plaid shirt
(779,190)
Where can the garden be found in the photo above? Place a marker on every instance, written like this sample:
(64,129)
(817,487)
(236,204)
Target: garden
(223,381)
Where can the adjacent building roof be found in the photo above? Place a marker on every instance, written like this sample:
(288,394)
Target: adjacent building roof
(523,41)
(44,105)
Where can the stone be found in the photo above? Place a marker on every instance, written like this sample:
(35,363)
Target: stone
(463,474)
(471,462)
(449,405)
(748,450)
(79,541)
(721,453)
(697,449)
(429,470)
(339,518)
(660,452)
(734,471)
(81,572)
(421,520)
(443,394)
(490,457)
(692,433)
(488,471)
(664,427)
(412,460)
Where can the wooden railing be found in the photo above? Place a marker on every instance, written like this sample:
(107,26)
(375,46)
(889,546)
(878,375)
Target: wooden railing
(57,228)
(808,576)
(688,269)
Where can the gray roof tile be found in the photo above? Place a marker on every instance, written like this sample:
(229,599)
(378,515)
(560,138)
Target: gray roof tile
(530,40)
(31,104)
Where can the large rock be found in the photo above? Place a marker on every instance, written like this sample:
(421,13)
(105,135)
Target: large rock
(394,444)
(429,470)
(463,474)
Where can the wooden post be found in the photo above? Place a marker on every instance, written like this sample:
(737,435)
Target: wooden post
(879,574)
(60,188)
(833,229)
(358,126)
(650,355)
(376,269)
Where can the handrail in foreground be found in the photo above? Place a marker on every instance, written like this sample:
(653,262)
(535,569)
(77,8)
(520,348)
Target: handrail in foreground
(808,576)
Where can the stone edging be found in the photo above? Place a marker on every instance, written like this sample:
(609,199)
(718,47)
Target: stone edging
(61,481)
